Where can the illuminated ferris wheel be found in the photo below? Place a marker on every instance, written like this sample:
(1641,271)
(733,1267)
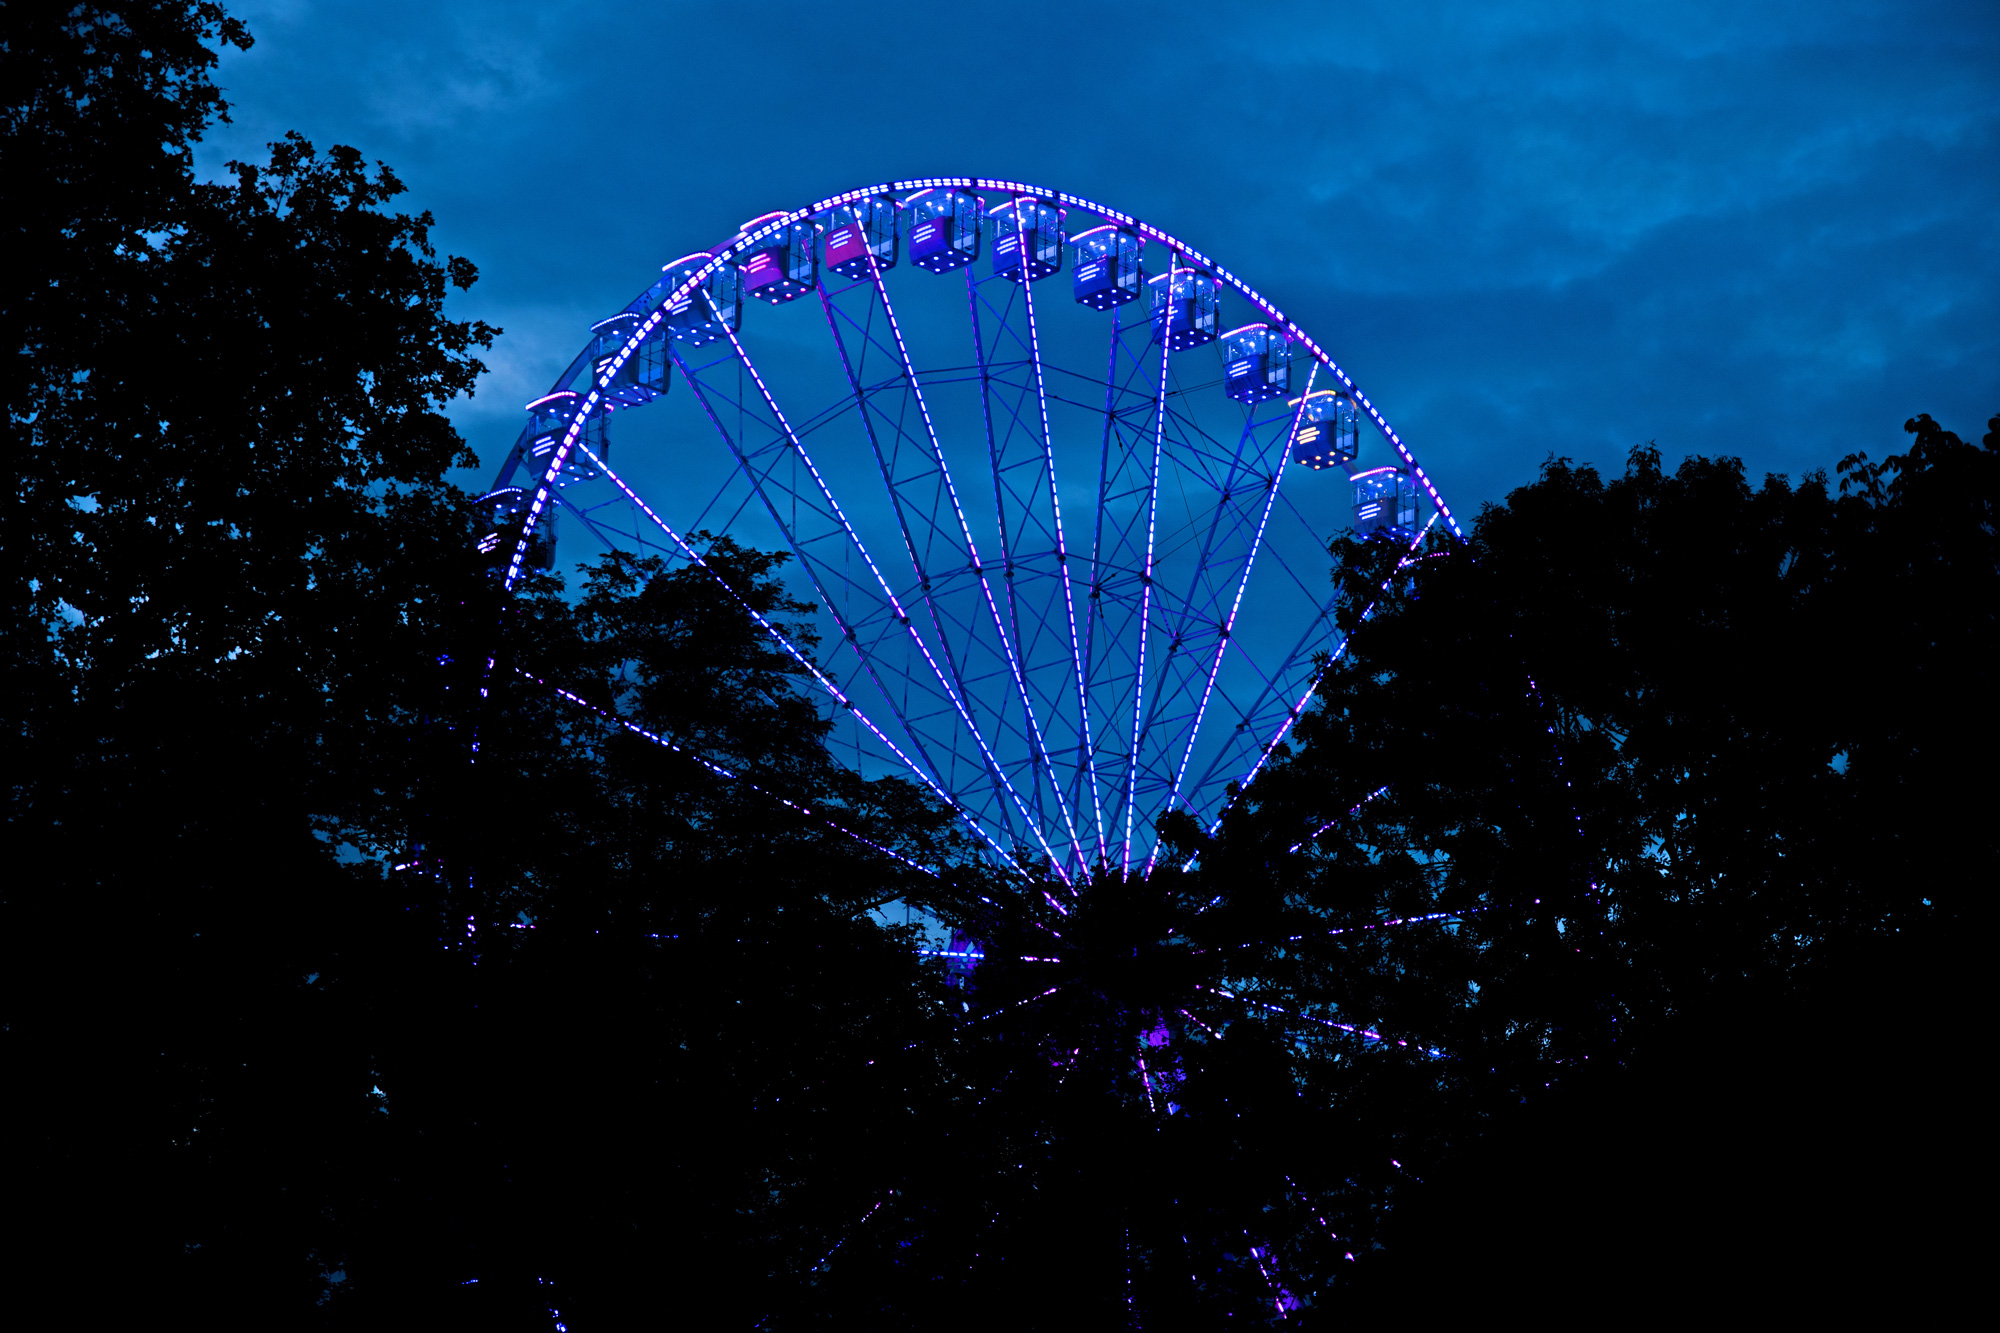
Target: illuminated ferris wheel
(1060,491)
(1060,486)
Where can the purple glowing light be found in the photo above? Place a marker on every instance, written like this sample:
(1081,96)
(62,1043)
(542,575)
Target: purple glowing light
(1229,624)
(1145,605)
(902,616)
(720,772)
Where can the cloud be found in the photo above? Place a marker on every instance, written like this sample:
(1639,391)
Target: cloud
(1748,228)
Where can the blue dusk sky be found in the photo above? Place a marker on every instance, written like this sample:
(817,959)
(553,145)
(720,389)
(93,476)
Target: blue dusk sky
(1749,228)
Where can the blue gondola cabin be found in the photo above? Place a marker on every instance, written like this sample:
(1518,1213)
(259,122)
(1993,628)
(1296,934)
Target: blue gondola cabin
(548,421)
(858,233)
(642,374)
(1184,303)
(1027,239)
(1257,364)
(705,312)
(1328,432)
(782,266)
(1385,501)
(1105,270)
(944,229)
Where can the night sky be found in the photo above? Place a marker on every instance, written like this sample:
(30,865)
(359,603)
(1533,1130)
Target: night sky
(1761,229)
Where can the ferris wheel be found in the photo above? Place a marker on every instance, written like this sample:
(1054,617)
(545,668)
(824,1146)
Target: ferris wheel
(1060,492)
(1060,486)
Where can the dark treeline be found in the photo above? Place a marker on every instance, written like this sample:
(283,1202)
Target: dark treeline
(1724,754)
(313,1014)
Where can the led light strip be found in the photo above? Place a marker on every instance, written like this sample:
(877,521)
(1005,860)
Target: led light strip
(896,504)
(971,547)
(1427,917)
(1146,600)
(902,616)
(1337,818)
(1062,541)
(1229,625)
(834,691)
(720,771)
(1366,1034)
(1298,709)
(1001,490)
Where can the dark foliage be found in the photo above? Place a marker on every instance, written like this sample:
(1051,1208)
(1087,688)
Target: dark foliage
(1675,786)
(1707,761)
(227,549)
(247,1080)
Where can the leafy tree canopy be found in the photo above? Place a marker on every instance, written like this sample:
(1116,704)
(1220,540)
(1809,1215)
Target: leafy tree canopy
(1659,775)
(1698,764)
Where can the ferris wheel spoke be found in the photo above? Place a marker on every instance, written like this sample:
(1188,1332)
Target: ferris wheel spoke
(1262,717)
(1310,837)
(918,479)
(1225,631)
(725,774)
(858,1224)
(1132,762)
(1290,680)
(839,697)
(1028,510)
(1301,653)
(1365,1033)
(815,503)
(1009,1008)
(1121,549)
(919,493)
(915,546)
(1266,1265)
(1220,575)
(1062,541)
(1360,928)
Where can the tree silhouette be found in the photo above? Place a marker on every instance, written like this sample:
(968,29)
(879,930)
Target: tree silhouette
(229,549)
(261,1084)
(1706,757)
(379,948)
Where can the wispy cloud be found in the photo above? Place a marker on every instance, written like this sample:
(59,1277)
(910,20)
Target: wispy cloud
(1753,227)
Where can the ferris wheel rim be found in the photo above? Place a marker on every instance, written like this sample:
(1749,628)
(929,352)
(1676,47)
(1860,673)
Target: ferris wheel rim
(773,223)
(651,308)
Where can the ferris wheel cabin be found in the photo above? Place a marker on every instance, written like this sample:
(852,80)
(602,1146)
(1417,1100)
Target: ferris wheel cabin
(642,376)
(1328,432)
(1106,268)
(706,312)
(857,232)
(548,420)
(944,229)
(1385,501)
(1027,240)
(1259,363)
(1184,304)
(784,265)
